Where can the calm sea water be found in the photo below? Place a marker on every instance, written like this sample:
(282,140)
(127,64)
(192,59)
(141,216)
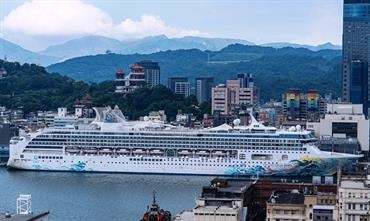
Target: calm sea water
(98,196)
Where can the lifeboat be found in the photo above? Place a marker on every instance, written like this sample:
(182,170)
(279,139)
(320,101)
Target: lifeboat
(73,150)
(202,152)
(93,150)
(156,151)
(123,150)
(218,153)
(106,151)
(139,151)
(184,152)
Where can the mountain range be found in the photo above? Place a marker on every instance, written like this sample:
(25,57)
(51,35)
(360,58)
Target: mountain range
(274,70)
(12,52)
(92,45)
(324,46)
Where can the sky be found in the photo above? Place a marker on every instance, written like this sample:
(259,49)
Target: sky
(37,24)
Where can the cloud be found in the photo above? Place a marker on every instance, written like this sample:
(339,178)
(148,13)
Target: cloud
(74,17)
(53,17)
(151,25)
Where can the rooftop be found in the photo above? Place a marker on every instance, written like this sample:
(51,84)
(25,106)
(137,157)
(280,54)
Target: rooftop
(226,188)
(216,209)
(137,67)
(285,197)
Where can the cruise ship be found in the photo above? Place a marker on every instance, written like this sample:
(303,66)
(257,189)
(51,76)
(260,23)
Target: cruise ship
(112,144)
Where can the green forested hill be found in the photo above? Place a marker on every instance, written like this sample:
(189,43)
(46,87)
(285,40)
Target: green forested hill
(274,70)
(33,88)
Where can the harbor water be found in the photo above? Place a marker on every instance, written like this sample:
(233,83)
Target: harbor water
(98,196)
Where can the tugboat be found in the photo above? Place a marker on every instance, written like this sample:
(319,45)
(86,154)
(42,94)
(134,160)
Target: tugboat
(155,213)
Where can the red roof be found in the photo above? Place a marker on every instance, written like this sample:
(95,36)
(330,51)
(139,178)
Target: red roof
(137,67)
(120,73)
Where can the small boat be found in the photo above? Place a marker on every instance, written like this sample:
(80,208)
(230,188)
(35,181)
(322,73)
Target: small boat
(184,152)
(155,213)
(106,150)
(139,151)
(123,150)
(93,150)
(218,153)
(156,151)
(202,152)
(73,150)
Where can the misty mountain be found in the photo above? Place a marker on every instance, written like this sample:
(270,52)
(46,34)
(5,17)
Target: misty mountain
(89,45)
(92,45)
(324,46)
(13,52)
(163,43)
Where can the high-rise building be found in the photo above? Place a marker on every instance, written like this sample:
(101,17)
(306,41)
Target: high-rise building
(7,130)
(229,98)
(152,72)
(179,85)
(246,80)
(356,52)
(203,89)
(297,106)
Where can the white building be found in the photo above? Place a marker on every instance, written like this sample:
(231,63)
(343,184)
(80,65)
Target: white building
(354,198)
(224,200)
(343,121)
(219,213)
(157,116)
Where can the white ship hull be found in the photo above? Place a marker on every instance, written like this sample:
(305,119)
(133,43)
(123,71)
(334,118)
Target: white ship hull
(150,147)
(304,165)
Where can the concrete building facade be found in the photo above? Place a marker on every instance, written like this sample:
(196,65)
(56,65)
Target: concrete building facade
(345,121)
(354,198)
(298,106)
(179,85)
(299,206)
(230,97)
